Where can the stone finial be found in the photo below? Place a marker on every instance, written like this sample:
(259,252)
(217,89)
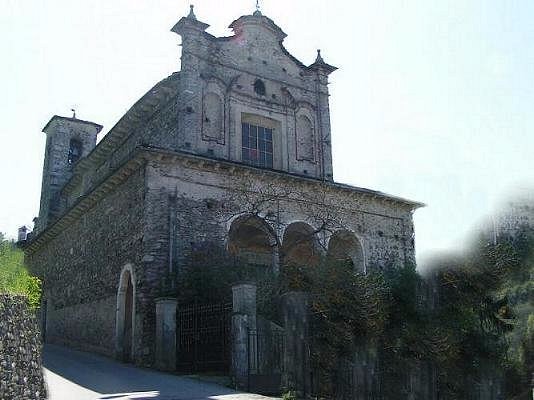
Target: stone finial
(192,13)
(189,24)
(257,13)
(319,59)
(319,64)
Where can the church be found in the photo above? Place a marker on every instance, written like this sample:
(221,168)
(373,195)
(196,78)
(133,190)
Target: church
(234,152)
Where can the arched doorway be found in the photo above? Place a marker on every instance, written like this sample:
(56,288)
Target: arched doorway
(345,248)
(252,243)
(125,318)
(300,246)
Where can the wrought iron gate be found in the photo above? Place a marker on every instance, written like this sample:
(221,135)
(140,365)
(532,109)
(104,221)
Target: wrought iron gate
(203,338)
(265,361)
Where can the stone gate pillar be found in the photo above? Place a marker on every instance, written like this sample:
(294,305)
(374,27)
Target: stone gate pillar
(243,321)
(166,334)
(244,301)
(296,346)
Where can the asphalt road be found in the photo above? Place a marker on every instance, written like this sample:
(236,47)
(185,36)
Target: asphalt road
(74,375)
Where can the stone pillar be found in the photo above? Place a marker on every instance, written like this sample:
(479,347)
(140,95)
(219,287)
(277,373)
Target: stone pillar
(276,260)
(166,334)
(364,362)
(244,301)
(296,347)
(240,347)
(243,321)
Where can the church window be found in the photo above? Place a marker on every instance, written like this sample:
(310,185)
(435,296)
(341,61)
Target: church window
(259,87)
(75,151)
(257,145)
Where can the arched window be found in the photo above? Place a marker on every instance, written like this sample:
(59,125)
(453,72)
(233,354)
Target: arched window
(259,87)
(75,151)
(212,117)
(305,148)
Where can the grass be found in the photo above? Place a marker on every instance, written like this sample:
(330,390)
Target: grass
(14,276)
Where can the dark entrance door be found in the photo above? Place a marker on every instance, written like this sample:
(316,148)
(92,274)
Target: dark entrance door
(203,338)
(128,306)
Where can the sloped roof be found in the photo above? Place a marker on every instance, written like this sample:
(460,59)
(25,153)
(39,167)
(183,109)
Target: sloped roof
(133,119)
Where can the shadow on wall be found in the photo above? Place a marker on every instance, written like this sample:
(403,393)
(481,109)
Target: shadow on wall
(114,380)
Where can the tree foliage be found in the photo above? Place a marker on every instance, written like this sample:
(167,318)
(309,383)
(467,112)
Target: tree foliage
(14,277)
(471,316)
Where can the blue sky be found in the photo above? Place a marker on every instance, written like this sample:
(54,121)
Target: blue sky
(433,99)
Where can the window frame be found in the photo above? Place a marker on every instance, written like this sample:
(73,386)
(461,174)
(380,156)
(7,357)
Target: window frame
(257,145)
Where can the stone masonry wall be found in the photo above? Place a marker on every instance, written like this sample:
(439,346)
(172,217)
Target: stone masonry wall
(21,375)
(208,200)
(229,69)
(190,206)
(174,113)
(81,267)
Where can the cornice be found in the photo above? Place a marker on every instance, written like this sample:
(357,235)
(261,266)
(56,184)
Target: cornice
(143,154)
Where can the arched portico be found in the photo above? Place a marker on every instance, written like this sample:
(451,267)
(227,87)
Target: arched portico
(300,246)
(251,241)
(125,315)
(345,247)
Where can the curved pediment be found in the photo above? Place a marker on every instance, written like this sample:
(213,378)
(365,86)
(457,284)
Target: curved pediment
(255,23)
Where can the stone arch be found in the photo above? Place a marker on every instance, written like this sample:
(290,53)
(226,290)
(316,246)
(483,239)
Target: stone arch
(251,241)
(300,245)
(125,315)
(345,247)
(213,117)
(75,150)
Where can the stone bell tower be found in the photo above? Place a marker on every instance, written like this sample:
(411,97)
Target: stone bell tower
(67,141)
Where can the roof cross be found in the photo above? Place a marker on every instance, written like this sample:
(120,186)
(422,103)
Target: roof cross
(257,13)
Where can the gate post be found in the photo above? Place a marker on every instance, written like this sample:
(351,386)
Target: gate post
(243,321)
(166,334)
(296,360)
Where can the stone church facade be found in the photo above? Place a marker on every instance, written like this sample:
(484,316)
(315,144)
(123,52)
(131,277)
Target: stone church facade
(232,151)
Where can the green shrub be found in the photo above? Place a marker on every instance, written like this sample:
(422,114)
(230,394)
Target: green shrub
(14,277)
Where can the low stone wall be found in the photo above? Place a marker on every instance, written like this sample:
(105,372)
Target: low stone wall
(21,374)
(87,326)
